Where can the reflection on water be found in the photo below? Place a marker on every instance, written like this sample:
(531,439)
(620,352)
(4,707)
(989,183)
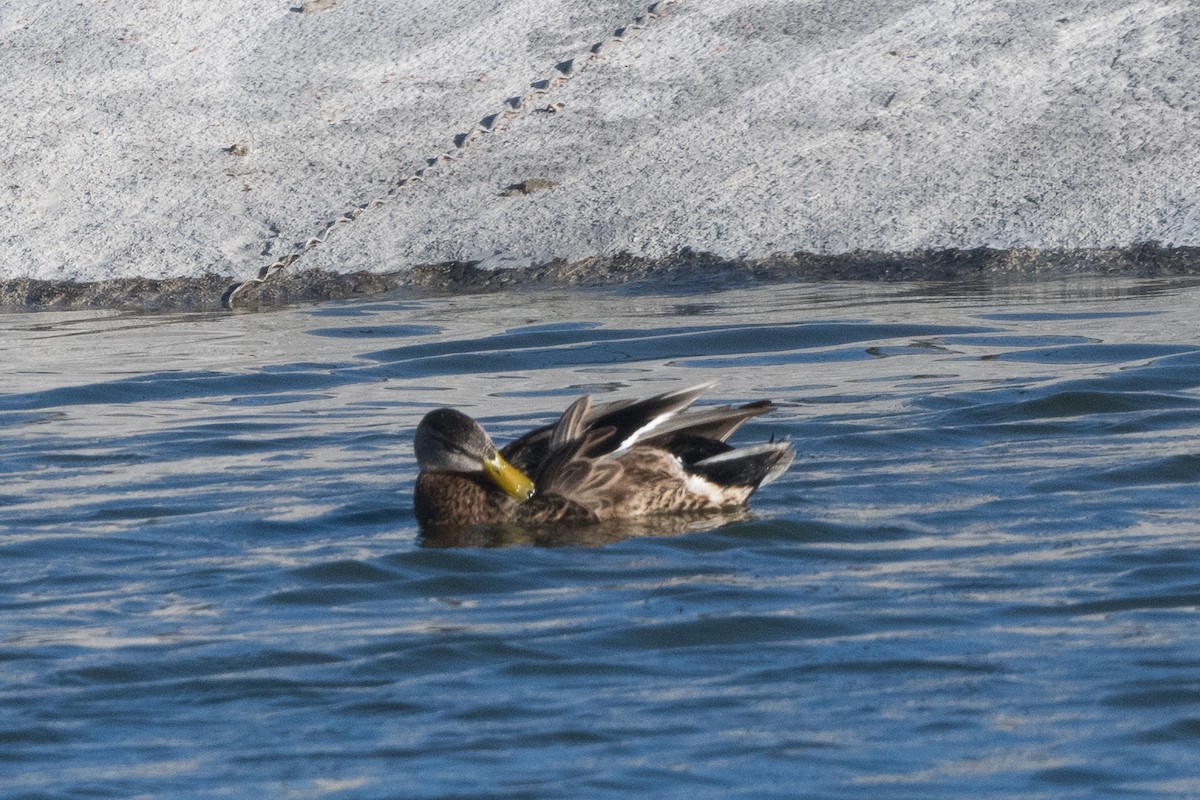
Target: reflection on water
(978,578)
(576,535)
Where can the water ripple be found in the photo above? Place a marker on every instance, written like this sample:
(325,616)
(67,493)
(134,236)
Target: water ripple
(978,579)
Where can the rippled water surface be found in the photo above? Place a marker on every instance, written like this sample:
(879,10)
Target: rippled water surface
(979,579)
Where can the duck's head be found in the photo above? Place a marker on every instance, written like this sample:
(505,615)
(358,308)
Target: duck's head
(450,441)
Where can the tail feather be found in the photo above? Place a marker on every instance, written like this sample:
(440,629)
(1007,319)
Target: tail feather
(753,466)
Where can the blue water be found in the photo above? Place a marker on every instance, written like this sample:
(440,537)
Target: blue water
(980,578)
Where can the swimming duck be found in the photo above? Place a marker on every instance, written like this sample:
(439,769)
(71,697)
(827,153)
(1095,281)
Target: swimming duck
(620,460)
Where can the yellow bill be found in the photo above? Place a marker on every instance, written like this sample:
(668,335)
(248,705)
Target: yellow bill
(514,482)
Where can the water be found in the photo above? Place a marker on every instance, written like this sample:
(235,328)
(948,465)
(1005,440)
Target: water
(979,579)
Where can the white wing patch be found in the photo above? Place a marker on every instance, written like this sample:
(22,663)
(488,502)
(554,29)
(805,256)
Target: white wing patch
(642,431)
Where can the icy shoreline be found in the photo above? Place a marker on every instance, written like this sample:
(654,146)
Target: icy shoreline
(687,271)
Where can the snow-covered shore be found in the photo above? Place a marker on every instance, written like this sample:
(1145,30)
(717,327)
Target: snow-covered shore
(176,139)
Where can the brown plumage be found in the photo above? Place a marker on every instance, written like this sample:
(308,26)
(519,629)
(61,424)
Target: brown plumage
(614,461)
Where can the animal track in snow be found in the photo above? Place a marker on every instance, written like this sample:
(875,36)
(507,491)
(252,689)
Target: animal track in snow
(512,107)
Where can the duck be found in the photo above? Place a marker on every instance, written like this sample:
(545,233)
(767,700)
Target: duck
(597,463)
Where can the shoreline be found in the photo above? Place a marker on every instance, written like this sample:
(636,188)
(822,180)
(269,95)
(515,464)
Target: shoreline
(211,293)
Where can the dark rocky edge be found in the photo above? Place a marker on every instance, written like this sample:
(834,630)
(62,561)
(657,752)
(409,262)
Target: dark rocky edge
(207,293)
